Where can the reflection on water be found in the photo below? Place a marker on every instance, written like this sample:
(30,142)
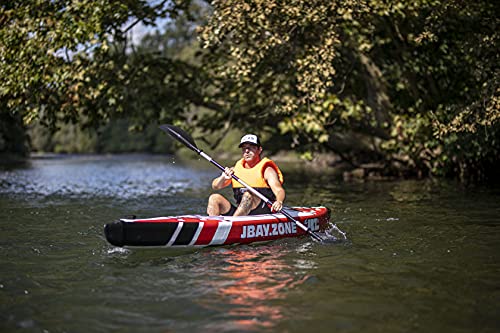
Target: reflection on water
(251,283)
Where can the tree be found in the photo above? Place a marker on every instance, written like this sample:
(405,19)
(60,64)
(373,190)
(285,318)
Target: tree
(66,60)
(412,85)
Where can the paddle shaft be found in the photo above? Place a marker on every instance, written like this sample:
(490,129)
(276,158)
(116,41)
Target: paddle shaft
(251,189)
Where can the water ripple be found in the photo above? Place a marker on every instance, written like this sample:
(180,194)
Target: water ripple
(109,176)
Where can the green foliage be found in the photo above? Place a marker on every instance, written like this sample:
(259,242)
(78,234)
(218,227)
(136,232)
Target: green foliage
(12,136)
(115,137)
(415,83)
(64,60)
(412,85)
(68,66)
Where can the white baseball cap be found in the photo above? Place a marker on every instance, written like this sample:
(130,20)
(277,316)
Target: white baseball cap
(250,138)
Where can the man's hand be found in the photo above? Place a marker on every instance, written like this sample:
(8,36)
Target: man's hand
(277,206)
(223,180)
(228,173)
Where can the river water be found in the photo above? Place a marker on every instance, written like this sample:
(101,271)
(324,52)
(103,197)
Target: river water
(420,256)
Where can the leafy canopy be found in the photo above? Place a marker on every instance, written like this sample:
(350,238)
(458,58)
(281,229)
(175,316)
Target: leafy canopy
(410,85)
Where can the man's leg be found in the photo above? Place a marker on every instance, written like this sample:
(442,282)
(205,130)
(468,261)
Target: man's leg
(217,205)
(248,203)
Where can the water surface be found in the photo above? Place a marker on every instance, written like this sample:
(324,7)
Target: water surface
(421,256)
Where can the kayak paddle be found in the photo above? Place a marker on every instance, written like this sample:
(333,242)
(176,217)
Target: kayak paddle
(181,136)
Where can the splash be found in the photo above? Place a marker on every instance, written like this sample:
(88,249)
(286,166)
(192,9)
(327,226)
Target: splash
(336,229)
(333,235)
(117,250)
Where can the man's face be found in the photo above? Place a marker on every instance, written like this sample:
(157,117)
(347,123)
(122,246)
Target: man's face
(250,151)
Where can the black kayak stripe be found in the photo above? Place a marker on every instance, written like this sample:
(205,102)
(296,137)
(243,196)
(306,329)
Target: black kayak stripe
(148,233)
(187,233)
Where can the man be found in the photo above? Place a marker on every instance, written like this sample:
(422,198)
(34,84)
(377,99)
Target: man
(260,173)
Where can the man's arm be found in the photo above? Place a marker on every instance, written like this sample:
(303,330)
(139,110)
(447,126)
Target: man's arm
(271,177)
(223,180)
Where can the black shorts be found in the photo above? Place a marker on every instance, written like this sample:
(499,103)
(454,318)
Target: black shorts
(262,208)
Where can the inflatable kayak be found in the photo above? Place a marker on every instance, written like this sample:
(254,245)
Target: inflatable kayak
(200,231)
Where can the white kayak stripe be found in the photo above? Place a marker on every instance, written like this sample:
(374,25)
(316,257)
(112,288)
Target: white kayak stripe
(265,217)
(176,233)
(312,212)
(251,217)
(220,236)
(173,219)
(197,233)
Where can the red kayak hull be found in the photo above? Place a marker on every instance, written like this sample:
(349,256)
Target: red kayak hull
(200,231)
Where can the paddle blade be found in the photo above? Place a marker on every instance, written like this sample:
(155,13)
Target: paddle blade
(180,135)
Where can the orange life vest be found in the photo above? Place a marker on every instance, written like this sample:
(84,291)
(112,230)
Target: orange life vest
(255,178)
